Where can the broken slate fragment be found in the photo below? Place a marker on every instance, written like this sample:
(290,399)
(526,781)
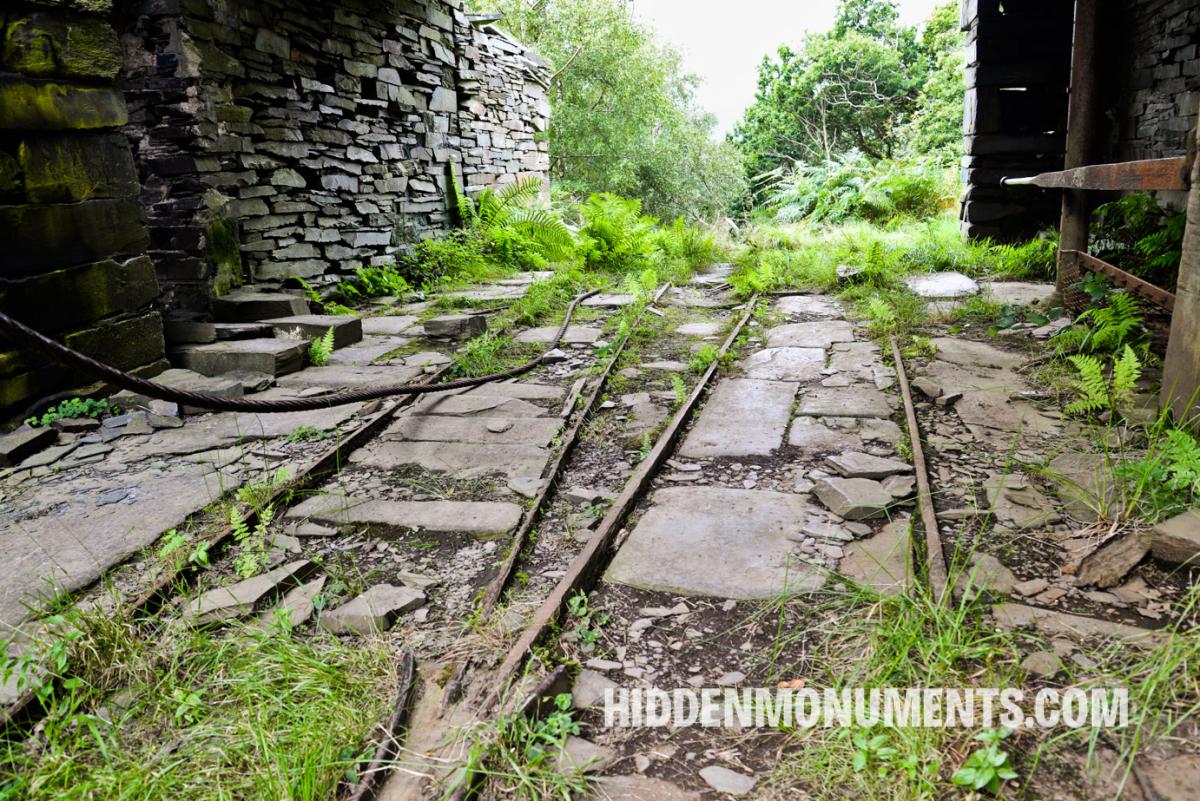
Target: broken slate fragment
(455,326)
(20,445)
(853,498)
(724,780)
(854,464)
(1107,565)
(589,689)
(238,600)
(1177,540)
(373,612)
(297,606)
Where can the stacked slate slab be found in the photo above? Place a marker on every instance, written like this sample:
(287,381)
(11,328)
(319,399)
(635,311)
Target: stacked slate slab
(74,261)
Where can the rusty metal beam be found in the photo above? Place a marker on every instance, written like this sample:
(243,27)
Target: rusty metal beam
(935,558)
(1144,289)
(1148,174)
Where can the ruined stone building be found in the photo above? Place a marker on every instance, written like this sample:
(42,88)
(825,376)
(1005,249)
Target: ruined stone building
(1145,84)
(155,154)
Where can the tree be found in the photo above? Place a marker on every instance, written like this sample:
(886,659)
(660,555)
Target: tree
(623,118)
(868,85)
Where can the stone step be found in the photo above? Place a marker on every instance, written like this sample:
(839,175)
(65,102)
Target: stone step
(247,306)
(346,330)
(232,332)
(272,356)
(221,386)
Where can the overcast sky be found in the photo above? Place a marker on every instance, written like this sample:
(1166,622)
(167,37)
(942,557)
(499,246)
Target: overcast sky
(723,43)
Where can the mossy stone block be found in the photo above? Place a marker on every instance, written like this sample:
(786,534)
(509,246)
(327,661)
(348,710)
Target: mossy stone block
(70,167)
(45,105)
(47,44)
(81,295)
(86,6)
(126,343)
(23,388)
(12,189)
(44,238)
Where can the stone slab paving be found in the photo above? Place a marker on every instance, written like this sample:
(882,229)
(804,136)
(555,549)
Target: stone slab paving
(474,403)
(372,612)
(1019,293)
(519,389)
(482,518)
(574,335)
(45,545)
(859,400)
(367,351)
(456,459)
(810,335)
(335,376)
(942,285)
(812,305)
(388,325)
(699,329)
(725,543)
(785,364)
(695,298)
(742,417)
(609,301)
(882,561)
(538,431)
(238,600)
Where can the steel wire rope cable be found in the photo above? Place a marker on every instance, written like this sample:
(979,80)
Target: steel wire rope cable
(21,334)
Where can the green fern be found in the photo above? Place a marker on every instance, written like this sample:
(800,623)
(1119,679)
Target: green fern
(1107,328)
(1095,393)
(1126,371)
(321,349)
(1090,386)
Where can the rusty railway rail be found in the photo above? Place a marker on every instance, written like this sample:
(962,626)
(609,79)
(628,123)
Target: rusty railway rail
(584,571)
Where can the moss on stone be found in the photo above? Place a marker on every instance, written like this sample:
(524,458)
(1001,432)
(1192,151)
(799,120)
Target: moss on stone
(11,185)
(82,295)
(28,105)
(46,44)
(72,167)
(225,253)
(122,343)
(42,238)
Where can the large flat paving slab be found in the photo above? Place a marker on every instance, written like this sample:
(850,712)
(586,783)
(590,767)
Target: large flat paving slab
(459,460)
(62,537)
(813,305)
(347,375)
(882,561)
(574,335)
(483,518)
(725,543)
(472,403)
(367,351)
(537,431)
(785,364)
(389,325)
(859,400)
(742,417)
(810,335)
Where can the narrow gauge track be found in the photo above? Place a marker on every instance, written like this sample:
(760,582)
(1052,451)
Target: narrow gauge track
(24,713)
(588,566)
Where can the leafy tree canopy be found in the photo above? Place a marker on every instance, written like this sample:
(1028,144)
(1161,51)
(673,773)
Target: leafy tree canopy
(623,115)
(869,85)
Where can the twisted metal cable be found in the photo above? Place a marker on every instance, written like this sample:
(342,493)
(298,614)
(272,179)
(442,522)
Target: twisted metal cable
(23,335)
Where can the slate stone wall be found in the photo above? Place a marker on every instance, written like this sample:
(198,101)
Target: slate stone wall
(1153,84)
(1148,88)
(310,137)
(73,257)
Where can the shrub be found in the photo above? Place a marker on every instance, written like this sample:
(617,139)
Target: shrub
(852,186)
(616,236)
(1141,238)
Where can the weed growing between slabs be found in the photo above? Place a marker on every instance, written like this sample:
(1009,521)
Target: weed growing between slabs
(159,711)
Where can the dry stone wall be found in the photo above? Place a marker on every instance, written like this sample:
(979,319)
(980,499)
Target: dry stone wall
(303,137)
(73,261)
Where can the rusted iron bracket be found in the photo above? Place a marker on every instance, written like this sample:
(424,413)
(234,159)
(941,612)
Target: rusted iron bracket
(1143,289)
(1146,175)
